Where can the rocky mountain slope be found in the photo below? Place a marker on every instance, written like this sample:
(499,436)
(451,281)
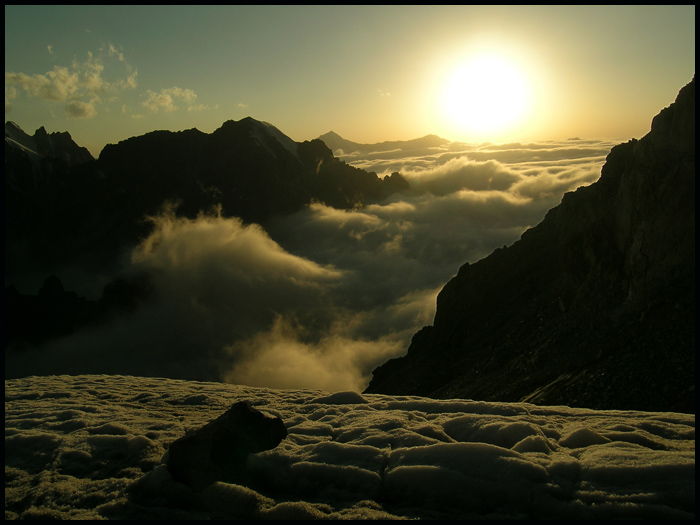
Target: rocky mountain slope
(593,307)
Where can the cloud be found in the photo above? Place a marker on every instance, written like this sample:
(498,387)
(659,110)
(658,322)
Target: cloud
(215,282)
(10,93)
(553,182)
(165,99)
(278,358)
(131,80)
(515,155)
(80,86)
(461,173)
(78,109)
(49,48)
(113,51)
(56,85)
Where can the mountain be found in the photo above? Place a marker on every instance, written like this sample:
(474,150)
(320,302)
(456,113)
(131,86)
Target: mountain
(64,208)
(593,307)
(43,145)
(336,143)
(249,167)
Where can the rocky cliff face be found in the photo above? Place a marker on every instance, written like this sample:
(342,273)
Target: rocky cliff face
(593,307)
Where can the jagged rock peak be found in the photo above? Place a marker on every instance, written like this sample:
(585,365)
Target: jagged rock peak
(58,145)
(61,145)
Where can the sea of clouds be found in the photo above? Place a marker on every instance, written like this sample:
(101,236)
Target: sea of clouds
(319,298)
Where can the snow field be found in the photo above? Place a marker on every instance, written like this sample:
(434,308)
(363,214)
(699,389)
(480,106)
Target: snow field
(92,447)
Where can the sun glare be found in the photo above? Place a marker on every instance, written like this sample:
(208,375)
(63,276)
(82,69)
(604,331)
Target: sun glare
(485,96)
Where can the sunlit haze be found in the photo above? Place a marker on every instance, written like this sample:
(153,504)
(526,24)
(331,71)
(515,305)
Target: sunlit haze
(486,96)
(371,73)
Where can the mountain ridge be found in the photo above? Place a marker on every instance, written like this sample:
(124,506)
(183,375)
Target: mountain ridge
(592,307)
(43,144)
(65,209)
(335,142)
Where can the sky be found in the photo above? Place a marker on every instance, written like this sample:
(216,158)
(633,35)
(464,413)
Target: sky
(92,447)
(369,73)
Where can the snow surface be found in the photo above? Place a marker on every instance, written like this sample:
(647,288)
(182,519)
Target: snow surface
(90,447)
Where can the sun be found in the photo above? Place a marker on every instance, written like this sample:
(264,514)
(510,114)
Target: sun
(485,96)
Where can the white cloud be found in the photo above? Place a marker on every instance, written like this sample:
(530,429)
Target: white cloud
(461,173)
(56,85)
(279,358)
(81,85)
(91,76)
(165,99)
(131,79)
(78,109)
(113,51)
(10,93)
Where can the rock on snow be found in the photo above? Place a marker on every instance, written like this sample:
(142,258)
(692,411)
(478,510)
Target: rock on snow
(93,447)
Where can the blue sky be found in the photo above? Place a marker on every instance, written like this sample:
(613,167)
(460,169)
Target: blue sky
(369,73)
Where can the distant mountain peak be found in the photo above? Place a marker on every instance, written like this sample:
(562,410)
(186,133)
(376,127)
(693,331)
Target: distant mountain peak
(337,143)
(331,135)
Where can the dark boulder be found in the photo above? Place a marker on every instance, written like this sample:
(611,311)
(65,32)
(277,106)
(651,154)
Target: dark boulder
(218,450)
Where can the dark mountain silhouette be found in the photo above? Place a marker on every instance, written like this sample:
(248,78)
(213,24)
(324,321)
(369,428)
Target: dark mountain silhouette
(593,307)
(336,142)
(50,184)
(63,208)
(43,145)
